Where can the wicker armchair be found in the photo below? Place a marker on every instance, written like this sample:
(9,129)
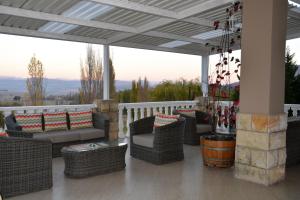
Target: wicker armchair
(163,145)
(25,166)
(195,127)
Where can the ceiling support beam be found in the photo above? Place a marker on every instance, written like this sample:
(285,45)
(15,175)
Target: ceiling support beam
(90,23)
(38,34)
(176,37)
(183,15)
(139,8)
(157,48)
(7,10)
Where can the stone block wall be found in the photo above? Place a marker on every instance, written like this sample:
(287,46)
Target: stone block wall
(261,148)
(110,108)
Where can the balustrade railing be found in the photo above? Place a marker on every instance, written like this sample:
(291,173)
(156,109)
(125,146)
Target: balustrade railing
(129,112)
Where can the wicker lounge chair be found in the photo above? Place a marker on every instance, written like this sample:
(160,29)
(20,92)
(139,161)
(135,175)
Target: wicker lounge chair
(195,127)
(25,166)
(163,145)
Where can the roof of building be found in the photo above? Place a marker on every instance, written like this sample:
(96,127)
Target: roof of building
(164,25)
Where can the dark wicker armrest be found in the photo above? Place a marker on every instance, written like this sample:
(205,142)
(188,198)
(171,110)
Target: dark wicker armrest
(142,126)
(22,134)
(101,121)
(169,134)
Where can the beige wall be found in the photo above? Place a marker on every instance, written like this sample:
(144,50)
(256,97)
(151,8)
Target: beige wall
(263,50)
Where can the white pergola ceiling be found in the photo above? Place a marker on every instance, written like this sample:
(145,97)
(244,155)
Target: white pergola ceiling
(164,25)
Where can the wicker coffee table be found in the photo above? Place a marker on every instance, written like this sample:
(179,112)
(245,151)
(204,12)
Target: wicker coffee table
(85,160)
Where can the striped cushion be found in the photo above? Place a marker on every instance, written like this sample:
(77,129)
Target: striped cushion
(55,121)
(187,112)
(162,119)
(3,134)
(30,122)
(81,120)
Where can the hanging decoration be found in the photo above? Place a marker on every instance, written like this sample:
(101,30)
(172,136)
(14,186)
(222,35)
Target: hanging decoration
(227,66)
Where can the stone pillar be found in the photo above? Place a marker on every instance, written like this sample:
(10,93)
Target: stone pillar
(110,108)
(261,123)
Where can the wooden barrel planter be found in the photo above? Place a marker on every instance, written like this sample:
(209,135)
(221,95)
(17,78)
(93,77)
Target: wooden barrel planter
(218,150)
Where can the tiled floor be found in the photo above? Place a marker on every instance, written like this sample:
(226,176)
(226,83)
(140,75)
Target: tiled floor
(188,180)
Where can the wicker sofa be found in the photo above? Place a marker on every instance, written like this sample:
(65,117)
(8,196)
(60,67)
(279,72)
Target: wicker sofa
(163,145)
(195,127)
(59,139)
(25,166)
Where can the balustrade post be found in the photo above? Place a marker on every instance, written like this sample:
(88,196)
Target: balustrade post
(148,112)
(121,123)
(128,121)
(136,114)
(142,110)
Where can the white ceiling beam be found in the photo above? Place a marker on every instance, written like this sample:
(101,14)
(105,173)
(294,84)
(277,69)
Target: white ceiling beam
(183,15)
(176,37)
(33,33)
(157,48)
(199,21)
(139,8)
(89,23)
(153,11)
(7,10)
(207,5)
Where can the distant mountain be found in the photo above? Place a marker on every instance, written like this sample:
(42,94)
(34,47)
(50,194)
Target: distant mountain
(53,86)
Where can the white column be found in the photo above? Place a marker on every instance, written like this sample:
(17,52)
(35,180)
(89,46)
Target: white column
(204,75)
(106,72)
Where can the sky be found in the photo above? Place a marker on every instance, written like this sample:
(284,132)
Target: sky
(61,59)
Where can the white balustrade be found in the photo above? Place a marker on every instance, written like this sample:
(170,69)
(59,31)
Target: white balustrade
(143,109)
(295,108)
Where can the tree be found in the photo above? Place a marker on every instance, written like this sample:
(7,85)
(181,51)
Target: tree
(292,82)
(179,90)
(134,91)
(35,82)
(91,77)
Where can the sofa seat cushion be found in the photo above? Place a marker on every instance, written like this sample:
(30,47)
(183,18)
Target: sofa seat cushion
(204,128)
(90,133)
(145,140)
(58,136)
(71,135)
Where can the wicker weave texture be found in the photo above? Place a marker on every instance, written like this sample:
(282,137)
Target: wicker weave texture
(167,144)
(26,166)
(94,162)
(191,136)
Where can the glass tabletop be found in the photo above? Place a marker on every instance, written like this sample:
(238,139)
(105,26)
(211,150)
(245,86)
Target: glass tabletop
(95,145)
